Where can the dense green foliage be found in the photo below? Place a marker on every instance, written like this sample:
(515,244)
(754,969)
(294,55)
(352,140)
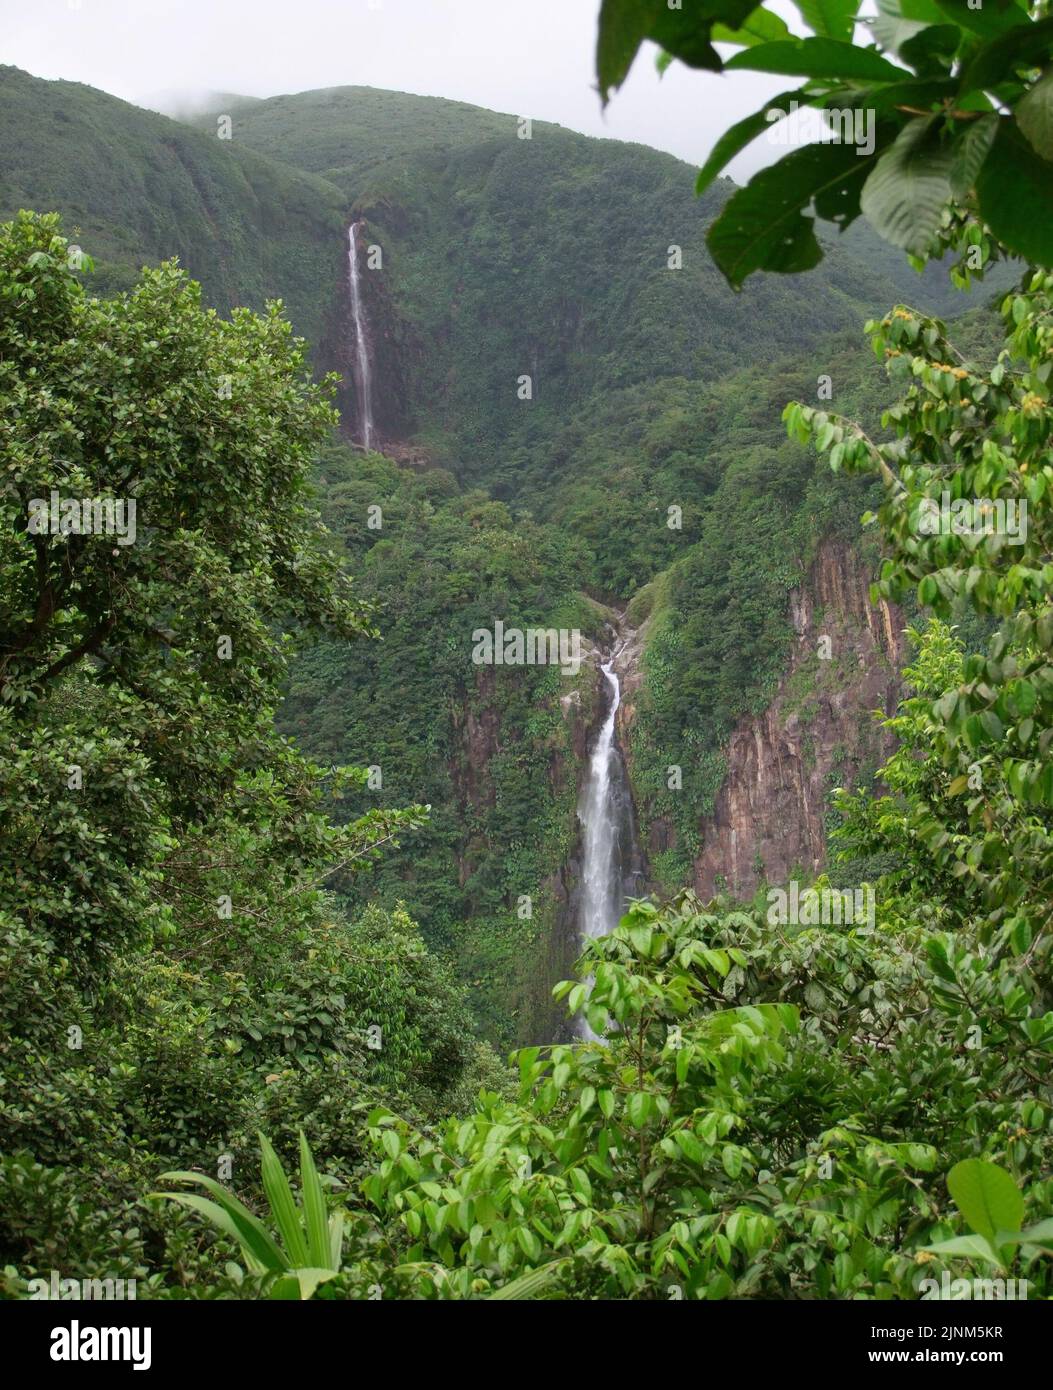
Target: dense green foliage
(204,954)
(174,974)
(768,1117)
(436,563)
(136,188)
(956,104)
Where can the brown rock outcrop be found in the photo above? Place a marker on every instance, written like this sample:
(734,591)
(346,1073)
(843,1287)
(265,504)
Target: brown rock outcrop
(769,817)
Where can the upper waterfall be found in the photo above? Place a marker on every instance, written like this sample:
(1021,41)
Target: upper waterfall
(362,365)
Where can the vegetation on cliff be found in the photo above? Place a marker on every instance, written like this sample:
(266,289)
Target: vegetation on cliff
(210,939)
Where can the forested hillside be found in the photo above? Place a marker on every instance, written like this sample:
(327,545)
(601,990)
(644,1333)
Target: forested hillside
(547,256)
(138,188)
(651,388)
(755,877)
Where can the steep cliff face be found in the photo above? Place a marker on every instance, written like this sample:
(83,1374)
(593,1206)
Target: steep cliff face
(527,954)
(390,342)
(768,821)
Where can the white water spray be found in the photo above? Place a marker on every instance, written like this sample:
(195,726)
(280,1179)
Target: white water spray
(365,384)
(601,812)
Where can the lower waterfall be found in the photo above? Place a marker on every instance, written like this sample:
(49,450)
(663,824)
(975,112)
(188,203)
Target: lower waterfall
(611,861)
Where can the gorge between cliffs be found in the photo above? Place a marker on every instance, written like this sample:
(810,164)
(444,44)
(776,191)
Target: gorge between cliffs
(767,819)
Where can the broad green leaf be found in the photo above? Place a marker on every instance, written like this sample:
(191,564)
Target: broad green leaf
(986,20)
(966,1248)
(742,133)
(917,92)
(642,939)
(833,19)
(683,1064)
(970,149)
(690,1147)
(767,225)
(1015,192)
(640,1108)
(623,26)
(986,1196)
(922,11)
(905,195)
(286,1289)
(736,1226)
(596,1016)
(1024,45)
(762,26)
(892,27)
(308,1279)
(528,1242)
(731,1158)
(932,49)
(937,957)
(1041,1233)
(817,58)
(684,33)
(1034,116)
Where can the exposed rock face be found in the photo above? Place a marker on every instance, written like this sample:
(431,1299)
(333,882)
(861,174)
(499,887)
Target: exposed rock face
(769,819)
(550,944)
(388,348)
(629,668)
(818,732)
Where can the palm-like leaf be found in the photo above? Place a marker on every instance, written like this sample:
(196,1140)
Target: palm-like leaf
(532,1284)
(316,1214)
(283,1206)
(313,1239)
(230,1216)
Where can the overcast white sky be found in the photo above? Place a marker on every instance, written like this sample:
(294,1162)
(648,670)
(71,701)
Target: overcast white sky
(527,57)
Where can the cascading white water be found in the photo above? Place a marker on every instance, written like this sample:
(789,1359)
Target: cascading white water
(358,313)
(600,813)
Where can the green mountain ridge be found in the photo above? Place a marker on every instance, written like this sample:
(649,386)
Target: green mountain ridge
(741,853)
(546,257)
(501,256)
(652,388)
(137,188)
